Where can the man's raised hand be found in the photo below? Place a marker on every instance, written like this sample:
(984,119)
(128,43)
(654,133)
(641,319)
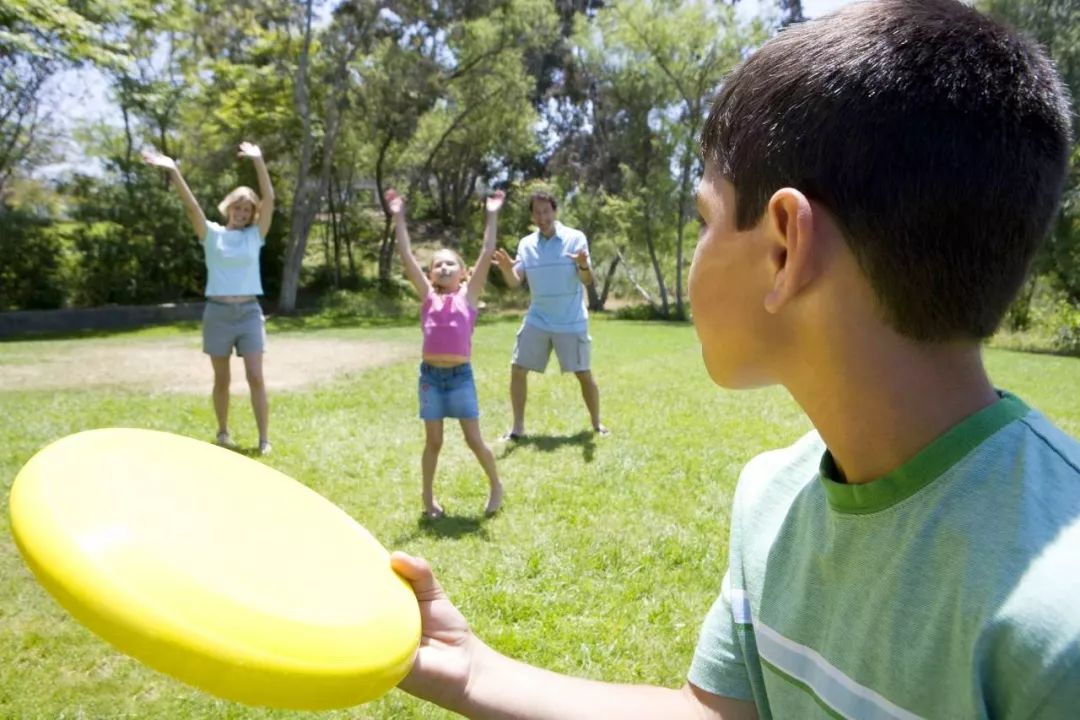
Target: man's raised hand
(581,257)
(503,260)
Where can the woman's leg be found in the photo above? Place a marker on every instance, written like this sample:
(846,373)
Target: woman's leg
(471,429)
(433,432)
(221,392)
(253,366)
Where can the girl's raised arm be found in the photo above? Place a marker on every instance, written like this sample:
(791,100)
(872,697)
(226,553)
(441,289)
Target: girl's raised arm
(191,205)
(413,271)
(483,263)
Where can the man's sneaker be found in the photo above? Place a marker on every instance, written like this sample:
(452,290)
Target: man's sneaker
(265,447)
(224,440)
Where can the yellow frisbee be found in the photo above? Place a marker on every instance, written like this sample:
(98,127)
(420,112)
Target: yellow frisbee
(215,569)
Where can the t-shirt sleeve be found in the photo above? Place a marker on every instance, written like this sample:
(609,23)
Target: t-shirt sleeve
(261,241)
(1060,701)
(213,230)
(718,666)
(519,265)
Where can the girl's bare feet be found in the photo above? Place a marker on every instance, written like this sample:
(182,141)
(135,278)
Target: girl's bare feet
(434,511)
(494,500)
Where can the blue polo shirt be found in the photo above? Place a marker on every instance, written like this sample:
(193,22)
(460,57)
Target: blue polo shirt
(557,294)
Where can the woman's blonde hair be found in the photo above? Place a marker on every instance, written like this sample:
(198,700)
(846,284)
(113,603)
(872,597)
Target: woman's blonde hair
(241,193)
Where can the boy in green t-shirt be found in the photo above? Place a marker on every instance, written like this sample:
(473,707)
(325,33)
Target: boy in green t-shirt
(876,184)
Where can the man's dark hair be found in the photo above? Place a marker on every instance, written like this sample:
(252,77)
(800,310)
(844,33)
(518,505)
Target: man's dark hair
(541,195)
(937,138)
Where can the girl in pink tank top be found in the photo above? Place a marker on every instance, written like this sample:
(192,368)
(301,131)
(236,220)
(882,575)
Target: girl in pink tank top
(447,318)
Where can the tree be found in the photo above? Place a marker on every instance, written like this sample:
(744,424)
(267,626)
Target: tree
(1055,24)
(653,67)
(37,39)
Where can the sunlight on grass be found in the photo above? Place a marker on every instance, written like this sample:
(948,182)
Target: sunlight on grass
(604,560)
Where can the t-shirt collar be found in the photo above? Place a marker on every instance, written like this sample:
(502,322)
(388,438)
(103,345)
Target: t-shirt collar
(540,235)
(926,466)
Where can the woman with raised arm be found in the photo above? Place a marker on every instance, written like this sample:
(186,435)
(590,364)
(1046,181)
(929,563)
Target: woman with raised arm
(233,317)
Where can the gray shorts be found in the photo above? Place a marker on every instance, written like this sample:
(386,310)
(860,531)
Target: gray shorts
(533,349)
(233,325)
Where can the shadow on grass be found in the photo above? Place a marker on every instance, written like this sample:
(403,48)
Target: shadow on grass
(550,443)
(449,527)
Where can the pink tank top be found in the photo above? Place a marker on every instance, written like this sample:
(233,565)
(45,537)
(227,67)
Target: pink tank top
(447,322)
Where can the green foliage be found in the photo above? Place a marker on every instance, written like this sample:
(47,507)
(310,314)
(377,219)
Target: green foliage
(31,275)
(652,69)
(61,30)
(1043,319)
(107,264)
(1055,24)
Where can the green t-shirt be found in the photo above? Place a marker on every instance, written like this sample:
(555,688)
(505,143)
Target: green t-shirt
(949,588)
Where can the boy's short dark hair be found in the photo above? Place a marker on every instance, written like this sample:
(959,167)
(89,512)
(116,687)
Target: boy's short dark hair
(542,195)
(937,138)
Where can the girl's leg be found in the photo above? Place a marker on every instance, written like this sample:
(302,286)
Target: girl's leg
(433,432)
(471,429)
(253,366)
(221,392)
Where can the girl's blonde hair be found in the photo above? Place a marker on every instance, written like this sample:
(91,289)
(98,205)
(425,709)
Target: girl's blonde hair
(241,193)
(465,269)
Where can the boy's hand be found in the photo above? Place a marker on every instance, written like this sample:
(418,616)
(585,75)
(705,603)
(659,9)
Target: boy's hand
(395,202)
(503,260)
(153,157)
(441,668)
(581,257)
(495,201)
(249,150)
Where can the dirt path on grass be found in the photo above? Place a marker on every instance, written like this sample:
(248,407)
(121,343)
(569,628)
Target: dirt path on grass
(179,366)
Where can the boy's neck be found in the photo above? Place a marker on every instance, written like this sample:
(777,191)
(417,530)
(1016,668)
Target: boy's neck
(876,406)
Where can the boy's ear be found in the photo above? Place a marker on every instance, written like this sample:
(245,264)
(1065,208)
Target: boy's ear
(789,223)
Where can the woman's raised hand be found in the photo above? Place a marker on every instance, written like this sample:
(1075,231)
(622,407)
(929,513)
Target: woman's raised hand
(153,157)
(495,201)
(249,150)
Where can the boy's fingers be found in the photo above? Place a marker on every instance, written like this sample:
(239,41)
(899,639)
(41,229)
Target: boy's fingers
(418,573)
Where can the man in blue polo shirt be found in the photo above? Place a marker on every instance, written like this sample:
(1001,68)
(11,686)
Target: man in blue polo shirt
(554,261)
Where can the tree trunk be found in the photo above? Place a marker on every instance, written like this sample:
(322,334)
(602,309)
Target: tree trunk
(593,297)
(302,200)
(306,205)
(684,200)
(609,275)
(386,245)
(332,207)
(633,278)
(656,264)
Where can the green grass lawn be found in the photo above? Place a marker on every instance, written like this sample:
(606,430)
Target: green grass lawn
(606,556)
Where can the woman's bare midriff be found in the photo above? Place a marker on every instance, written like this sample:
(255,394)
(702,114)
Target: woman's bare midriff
(231,299)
